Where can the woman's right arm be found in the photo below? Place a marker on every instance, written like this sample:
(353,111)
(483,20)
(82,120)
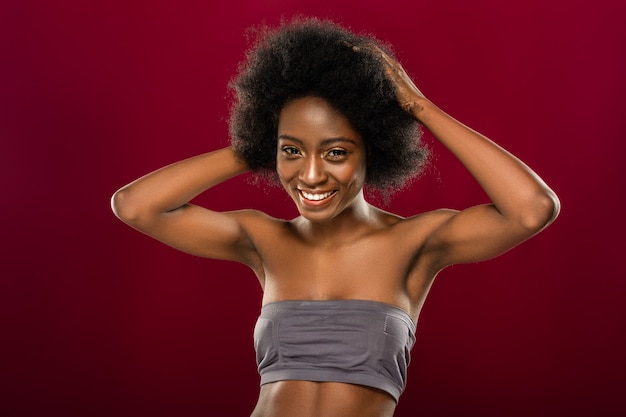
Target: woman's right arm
(157,204)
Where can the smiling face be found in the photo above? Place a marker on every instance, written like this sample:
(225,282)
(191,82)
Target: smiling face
(320,159)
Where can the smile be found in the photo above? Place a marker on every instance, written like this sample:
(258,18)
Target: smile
(316,197)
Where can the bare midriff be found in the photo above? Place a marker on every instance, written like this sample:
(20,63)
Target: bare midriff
(327,399)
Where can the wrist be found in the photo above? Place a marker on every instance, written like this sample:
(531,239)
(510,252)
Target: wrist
(419,108)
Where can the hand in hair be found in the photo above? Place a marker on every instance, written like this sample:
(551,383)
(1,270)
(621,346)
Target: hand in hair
(407,93)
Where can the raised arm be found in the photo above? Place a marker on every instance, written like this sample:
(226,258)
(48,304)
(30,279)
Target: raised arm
(157,204)
(522,204)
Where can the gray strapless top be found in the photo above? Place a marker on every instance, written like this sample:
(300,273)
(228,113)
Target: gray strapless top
(352,341)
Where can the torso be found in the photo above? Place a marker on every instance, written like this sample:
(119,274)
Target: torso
(327,399)
(381,263)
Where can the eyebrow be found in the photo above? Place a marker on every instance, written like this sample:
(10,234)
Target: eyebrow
(325,142)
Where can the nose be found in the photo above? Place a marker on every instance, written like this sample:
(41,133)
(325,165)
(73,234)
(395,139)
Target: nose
(313,172)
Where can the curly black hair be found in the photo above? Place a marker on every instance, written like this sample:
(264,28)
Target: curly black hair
(312,57)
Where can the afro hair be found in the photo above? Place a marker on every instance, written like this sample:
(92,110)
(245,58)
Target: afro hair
(311,57)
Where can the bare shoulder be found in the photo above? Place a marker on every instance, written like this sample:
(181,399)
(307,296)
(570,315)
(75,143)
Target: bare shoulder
(258,224)
(256,217)
(413,232)
(435,218)
(423,223)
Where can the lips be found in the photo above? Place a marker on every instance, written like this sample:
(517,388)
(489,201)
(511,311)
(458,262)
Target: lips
(316,196)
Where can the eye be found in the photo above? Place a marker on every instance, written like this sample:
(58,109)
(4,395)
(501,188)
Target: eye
(336,154)
(290,151)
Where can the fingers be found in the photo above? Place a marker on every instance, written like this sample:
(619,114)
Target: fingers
(391,65)
(405,87)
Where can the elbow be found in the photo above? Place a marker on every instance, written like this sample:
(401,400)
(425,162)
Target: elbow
(125,206)
(541,211)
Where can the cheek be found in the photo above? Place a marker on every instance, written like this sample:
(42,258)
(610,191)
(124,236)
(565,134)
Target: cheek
(284,171)
(352,174)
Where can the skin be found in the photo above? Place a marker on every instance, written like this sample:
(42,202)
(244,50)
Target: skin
(336,247)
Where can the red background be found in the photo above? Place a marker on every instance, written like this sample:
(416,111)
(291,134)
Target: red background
(99,320)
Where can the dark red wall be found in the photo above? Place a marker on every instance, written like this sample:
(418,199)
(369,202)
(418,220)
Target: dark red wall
(98,320)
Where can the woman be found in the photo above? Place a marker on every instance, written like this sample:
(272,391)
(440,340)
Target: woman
(326,112)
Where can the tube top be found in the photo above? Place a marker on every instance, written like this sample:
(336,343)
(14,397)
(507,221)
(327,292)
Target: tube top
(352,341)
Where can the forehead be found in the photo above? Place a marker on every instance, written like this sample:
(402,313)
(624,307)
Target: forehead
(314,119)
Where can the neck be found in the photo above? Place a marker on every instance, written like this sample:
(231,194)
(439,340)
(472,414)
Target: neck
(351,221)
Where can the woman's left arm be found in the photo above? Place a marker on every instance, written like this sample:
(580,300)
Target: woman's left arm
(522,204)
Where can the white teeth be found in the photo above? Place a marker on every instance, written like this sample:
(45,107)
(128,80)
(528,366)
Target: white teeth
(316,197)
